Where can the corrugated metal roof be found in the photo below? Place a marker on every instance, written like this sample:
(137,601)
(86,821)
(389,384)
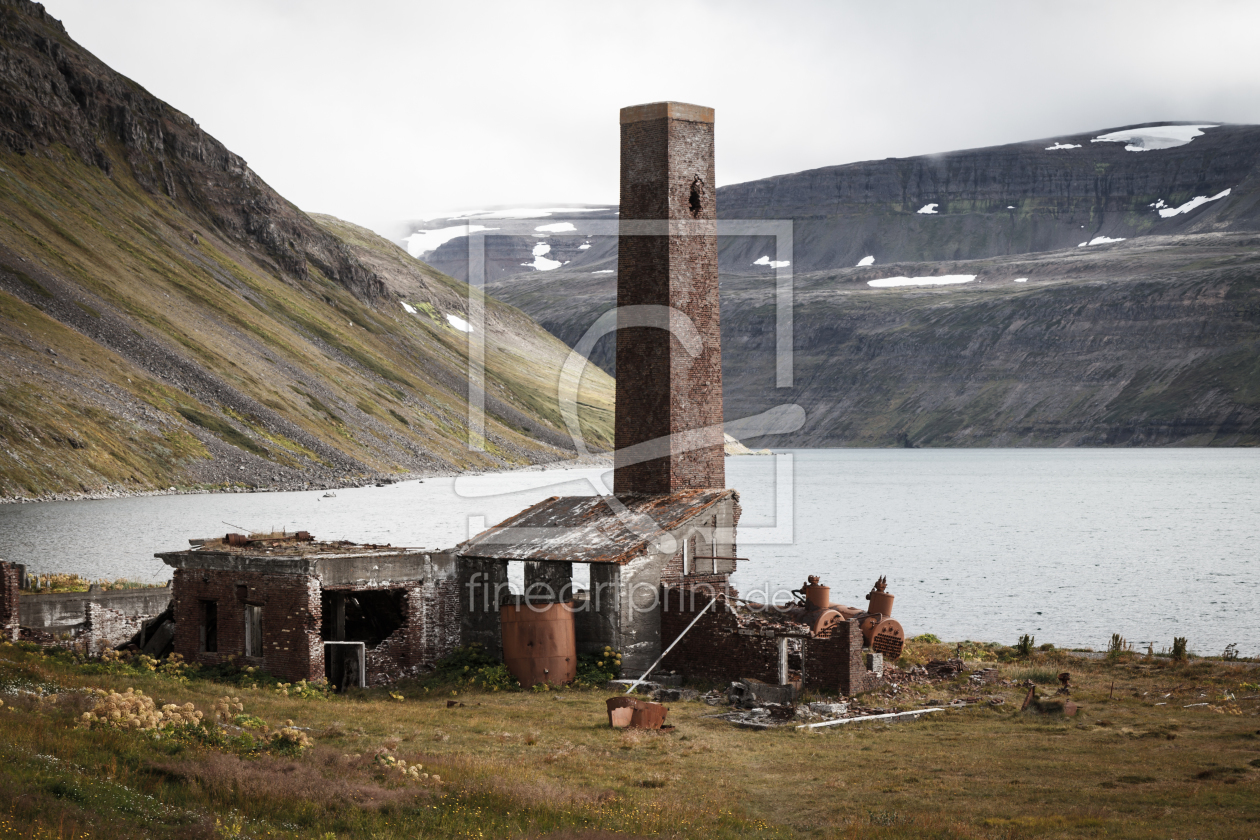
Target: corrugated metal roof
(589,529)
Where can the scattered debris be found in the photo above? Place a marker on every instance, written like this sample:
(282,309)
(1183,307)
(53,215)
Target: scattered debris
(915,713)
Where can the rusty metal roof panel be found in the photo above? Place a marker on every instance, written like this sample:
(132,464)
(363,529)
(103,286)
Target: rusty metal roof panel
(589,529)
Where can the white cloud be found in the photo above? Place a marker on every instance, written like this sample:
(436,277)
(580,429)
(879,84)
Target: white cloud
(927,209)
(943,280)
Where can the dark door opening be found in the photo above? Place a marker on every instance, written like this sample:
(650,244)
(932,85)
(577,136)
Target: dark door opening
(371,615)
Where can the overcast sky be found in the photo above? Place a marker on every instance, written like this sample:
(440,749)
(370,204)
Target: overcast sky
(380,110)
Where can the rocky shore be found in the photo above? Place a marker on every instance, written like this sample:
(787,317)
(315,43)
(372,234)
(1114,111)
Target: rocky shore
(261,485)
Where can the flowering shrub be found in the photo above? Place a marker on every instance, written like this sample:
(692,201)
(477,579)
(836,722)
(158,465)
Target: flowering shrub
(136,710)
(304,690)
(594,670)
(474,667)
(289,740)
(412,772)
(225,707)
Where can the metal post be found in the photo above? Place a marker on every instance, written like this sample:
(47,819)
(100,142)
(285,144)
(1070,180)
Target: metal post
(635,684)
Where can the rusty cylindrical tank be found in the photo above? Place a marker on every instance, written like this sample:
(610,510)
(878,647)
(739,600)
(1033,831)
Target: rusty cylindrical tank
(880,600)
(817,596)
(539,642)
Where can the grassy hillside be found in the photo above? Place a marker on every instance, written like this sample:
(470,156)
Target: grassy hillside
(167,319)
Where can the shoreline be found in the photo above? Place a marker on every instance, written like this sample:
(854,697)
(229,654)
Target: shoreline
(110,492)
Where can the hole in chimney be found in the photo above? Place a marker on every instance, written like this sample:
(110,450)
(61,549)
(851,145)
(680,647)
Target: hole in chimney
(697,192)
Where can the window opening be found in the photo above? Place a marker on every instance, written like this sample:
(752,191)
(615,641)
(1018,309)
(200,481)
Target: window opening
(697,194)
(253,630)
(209,626)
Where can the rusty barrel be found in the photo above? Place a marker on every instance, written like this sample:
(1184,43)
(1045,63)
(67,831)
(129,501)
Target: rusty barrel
(539,644)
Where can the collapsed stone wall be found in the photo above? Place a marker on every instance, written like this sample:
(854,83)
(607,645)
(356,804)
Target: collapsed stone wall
(10,618)
(722,647)
(430,630)
(104,628)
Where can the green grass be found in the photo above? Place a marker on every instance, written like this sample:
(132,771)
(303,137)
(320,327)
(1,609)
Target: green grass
(546,764)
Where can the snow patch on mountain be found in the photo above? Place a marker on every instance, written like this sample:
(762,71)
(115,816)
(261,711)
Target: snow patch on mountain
(541,262)
(1153,137)
(1168,212)
(943,280)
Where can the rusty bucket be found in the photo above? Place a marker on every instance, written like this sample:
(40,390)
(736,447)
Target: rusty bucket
(633,713)
(539,643)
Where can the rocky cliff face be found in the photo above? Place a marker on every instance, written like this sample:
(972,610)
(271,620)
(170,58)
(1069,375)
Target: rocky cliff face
(1014,199)
(1153,341)
(166,318)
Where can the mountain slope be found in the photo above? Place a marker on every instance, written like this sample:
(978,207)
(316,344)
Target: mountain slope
(1039,195)
(1152,341)
(167,318)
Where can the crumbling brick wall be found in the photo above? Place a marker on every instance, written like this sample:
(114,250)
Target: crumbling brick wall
(713,534)
(104,627)
(10,614)
(719,649)
(429,631)
(714,649)
(292,647)
(835,663)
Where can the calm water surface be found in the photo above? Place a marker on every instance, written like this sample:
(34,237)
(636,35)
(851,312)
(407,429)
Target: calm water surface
(1070,545)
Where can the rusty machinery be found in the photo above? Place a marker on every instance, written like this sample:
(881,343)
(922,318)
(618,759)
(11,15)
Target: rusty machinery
(880,631)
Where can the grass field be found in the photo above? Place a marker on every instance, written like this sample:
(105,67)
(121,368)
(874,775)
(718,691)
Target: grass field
(1140,760)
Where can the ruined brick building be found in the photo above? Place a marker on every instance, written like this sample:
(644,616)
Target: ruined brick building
(665,536)
(307,610)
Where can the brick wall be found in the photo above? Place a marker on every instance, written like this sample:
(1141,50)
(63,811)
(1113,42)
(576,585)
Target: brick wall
(835,664)
(10,614)
(292,648)
(716,650)
(104,627)
(429,631)
(661,389)
(713,650)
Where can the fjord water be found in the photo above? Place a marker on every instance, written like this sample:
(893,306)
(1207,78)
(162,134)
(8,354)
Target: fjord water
(1069,545)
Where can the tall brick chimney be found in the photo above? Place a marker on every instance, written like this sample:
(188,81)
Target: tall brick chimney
(663,391)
